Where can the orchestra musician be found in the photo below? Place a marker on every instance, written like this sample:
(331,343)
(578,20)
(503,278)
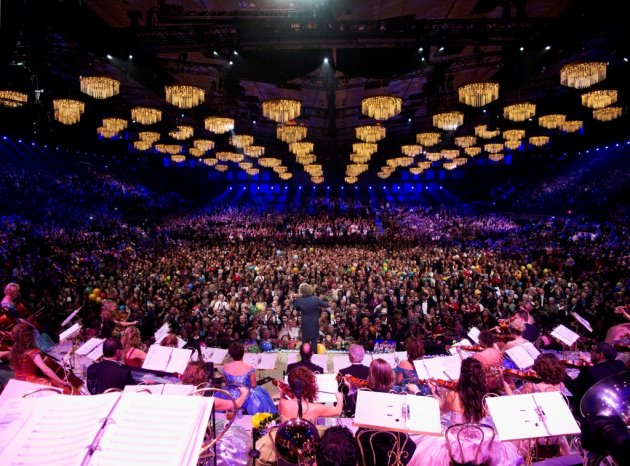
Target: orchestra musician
(132,353)
(111,321)
(28,362)
(405,371)
(108,372)
(491,360)
(10,301)
(516,328)
(195,374)
(356,369)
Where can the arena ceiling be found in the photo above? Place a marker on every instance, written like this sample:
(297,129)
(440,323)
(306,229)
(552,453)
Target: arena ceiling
(242,53)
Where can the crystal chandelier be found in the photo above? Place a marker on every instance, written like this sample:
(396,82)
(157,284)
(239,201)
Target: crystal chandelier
(146,115)
(115,124)
(478,94)
(448,121)
(381,107)
(416,170)
(424,165)
(301,147)
(460,161)
(433,156)
(182,132)
(305,159)
(285,176)
(411,150)
(472,151)
(184,96)
(551,121)
(483,132)
(599,99)
(513,144)
(211,162)
(106,133)
(384,174)
(356,158)
(370,133)
(364,148)
(513,134)
(280,169)
(350,179)
(428,139)
(317,179)
(178,158)
(269,162)
(465,141)
(571,126)
(245,165)
(496,157)
(281,110)
(99,87)
(314,169)
(142,145)
(195,152)
(252,171)
(68,111)
(449,166)
(219,125)
(538,141)
(221,168)
(254,151)
(149,136)
(12,99)
(607,113)
(203,144)
(450,154)
(519,112)
(582,75)
(493,148)
(241,140)
(171,149)
(225,156)
(291,132)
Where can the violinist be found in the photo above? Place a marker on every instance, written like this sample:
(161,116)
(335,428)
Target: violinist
(111,320)
(28,362)
(356,369)
(517,327)
(405,371)
(491,360)
(10,301)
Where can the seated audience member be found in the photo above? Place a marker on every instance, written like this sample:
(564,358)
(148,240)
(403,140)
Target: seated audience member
(108,372)
(306,352)
(337,447)
(604,363)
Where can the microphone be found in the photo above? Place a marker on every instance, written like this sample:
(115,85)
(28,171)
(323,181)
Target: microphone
(297,392)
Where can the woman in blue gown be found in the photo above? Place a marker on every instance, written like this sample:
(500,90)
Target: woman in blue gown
(238,372)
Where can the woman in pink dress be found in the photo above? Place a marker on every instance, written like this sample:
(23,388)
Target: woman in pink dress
(462,405)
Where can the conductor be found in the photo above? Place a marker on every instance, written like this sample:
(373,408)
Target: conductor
(309,306)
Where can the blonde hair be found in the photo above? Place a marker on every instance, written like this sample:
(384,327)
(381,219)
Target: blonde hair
(305,289)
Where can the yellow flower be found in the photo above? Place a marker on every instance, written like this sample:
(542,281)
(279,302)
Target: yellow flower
(260,419)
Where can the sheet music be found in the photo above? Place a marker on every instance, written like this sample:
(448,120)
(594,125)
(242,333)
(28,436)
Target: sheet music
(14,414)
(161,332)
(320,359)
(533,415)
(439,367)
(214,355)
(473,333)
(585,323)
(92,349)
(464,342)
(424,412)
(261,360)
(164,358)
(523,355)
(16,388)
(70,332)
(327,388)
(161,389)
(70,317)
(565,335)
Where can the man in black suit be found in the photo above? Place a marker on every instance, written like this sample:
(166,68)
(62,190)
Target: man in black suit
(306,352)
(603,357)
(108,373)
(356,353)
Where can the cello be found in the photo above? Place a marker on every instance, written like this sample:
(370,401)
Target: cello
(63,373)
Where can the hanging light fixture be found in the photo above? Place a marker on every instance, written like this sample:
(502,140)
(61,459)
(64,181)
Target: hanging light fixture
(381,107)
(184,96)
(538,141)
(364,148)
(291,132)
(571,126)
(411,150)
(384,174)
(221,168)
(424,165)
(68,111)
(280,169)
(599,99)
(317,179)
(146,115)
(241,141)
(12,99)
(351,179)
(483,132)
(210,161)
(171,149)
(106,133)
(356,158)
(433,156)
(254,151)
(285,176)
(496,157)
(178,158)
(149,136)
(493,148)
(370,133)
(460,161)
(225,156)
(195,152)
(450,154)
(472,151)
(142,145)
(182,132)
(203,144)
(281,110)
(448,121)
(305,159)
(465,141)
(269,162)
(301,147)
(478,94)
(513,134)
(551,121)
(245,165)
(607,113)
(252,171)
(416,170)
(428,139)
(219,125)
(513,144)
(582,75)
(449,165)
(519,112)
(99,87)
(115,124)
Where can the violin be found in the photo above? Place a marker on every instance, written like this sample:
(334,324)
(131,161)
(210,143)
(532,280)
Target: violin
(447,384)
(528,375)
(474,348)
(576,364)
(284,389)
(622,348)
(352,380)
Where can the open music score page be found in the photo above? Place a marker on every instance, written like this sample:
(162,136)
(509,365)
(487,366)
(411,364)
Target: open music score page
(564,335)
(439,367)
(110,429)
(265,361)
(533,415)
(211,354)
(523,355)
(167,359)
(384,411)
(92,349)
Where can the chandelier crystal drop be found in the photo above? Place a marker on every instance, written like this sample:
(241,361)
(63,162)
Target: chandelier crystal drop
(184,96)
(99,87)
